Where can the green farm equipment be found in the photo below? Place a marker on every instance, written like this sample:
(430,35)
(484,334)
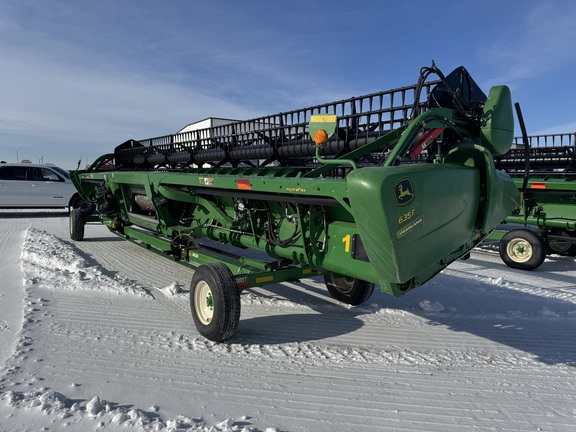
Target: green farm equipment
(544,170)
(385,189)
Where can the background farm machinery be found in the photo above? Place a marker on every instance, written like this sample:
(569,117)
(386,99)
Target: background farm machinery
(384,189)
(544,170)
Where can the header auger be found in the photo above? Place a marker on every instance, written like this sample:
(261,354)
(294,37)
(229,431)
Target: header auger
(384,189)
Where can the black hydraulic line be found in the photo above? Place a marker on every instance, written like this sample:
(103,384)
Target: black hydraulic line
(526,146)
(424,73)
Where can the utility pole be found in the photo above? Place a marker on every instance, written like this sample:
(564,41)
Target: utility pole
(18,151)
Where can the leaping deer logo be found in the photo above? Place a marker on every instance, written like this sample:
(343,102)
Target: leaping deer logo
(404,191)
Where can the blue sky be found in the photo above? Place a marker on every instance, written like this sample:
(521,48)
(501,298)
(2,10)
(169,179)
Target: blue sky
(79,77)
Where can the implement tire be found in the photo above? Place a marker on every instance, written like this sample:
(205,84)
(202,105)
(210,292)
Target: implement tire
(522,249)
(76,225)
(348,290)
(215,301)
(80,203)
(557,246)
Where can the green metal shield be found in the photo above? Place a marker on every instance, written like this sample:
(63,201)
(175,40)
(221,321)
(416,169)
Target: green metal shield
(414,218)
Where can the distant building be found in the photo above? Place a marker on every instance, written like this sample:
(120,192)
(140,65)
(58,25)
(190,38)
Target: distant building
(200,132)
(205,124)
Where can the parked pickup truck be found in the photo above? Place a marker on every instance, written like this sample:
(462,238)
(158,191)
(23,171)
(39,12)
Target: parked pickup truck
(27,185)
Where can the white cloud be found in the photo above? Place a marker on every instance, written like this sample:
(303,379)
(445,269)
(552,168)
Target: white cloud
(543,39)
(557,129)
(68,93)
(51,106)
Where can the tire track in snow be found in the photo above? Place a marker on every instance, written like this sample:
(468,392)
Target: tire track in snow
(173,307)
(305,400)
(322,391)
(190,376)
(357,339)
(302,376)
(180,336)
(131,260)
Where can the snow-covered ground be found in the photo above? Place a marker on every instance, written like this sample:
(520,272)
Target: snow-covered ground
(96,335)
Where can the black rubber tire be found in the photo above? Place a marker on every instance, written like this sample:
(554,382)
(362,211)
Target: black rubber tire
(80,203)
(348,290)
(215,301)
(76,225)
(522,249)
(567,248)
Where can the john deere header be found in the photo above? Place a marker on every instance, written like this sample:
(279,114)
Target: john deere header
(385,189)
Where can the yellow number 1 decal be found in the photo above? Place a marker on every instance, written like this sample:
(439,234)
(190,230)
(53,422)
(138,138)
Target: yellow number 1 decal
(346,241)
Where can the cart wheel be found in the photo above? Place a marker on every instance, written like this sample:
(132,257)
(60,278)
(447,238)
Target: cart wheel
(86,206)
(348,290)
(215,301)
(76,224)
(522,249)
(566,248)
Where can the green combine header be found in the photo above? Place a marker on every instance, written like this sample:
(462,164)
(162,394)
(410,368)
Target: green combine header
(385,189)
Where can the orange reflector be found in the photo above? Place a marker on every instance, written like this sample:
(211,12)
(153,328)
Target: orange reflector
(538,185)
(244,184)
(320,137)
(264,279)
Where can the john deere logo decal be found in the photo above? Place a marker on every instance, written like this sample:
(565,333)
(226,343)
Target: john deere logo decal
(403,191)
